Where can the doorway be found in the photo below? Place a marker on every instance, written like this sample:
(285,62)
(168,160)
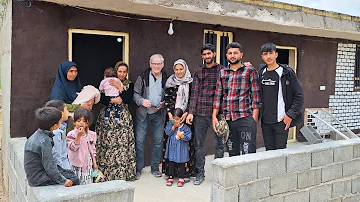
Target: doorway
(94,50)
(288,55)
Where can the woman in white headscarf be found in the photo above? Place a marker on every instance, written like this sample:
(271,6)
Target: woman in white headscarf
(88,96)
(177,95)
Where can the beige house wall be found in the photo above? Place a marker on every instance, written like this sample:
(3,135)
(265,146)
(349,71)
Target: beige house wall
(5,65)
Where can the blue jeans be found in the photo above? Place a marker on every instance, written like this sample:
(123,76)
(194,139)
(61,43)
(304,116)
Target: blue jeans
(158,123)
(201,125)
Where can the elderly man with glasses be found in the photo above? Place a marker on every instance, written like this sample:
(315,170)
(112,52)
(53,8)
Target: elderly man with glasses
(149,96)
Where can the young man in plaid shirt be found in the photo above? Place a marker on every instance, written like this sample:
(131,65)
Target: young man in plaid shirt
(201,106)
(238,93)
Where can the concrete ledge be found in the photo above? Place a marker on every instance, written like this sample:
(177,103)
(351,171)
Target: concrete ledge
(228,162)
(117,190)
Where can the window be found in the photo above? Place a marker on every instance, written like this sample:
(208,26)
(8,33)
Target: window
(357,69)
(220,40)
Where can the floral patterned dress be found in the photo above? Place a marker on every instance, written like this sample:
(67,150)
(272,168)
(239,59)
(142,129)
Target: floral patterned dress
(116,146)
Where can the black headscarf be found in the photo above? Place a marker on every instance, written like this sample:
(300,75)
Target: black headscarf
(63,89)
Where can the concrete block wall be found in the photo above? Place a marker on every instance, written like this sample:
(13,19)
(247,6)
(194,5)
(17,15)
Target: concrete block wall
(20,191)
(327,171)
(346,101)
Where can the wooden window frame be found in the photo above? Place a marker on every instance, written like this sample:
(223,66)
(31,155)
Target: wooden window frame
(99,32)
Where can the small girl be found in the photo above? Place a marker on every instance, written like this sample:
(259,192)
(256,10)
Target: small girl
(177,147)
(81,146)
(112,92)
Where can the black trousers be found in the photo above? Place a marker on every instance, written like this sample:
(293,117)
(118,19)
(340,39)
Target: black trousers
(118,110)
(275,135)
(172,166)
(242,136)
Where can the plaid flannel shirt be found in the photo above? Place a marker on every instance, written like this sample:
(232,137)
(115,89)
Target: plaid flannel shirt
(203,90)
(238,92)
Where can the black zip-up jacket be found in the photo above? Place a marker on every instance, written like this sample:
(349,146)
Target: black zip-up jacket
(141,91)
(292,93)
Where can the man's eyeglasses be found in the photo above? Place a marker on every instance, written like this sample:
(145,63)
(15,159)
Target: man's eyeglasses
(156,64)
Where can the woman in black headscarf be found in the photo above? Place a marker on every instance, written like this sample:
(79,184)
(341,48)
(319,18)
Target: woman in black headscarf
(67,83)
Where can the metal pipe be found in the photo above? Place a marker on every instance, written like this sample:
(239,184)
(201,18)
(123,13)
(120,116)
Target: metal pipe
(346,128)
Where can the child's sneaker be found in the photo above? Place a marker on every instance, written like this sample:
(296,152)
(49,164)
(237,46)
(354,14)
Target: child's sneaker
(181,182)
(169,182)
(117,120)
(107,120)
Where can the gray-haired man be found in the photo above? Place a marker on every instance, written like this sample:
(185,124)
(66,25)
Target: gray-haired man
(149,96)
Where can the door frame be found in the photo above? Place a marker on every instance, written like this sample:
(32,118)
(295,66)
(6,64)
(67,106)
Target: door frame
(100,32)
(293,65)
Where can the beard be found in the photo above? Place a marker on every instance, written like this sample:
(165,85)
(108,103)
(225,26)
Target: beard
(235,62)
(211,61)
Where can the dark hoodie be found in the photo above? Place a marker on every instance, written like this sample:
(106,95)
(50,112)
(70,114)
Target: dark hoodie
(292,93)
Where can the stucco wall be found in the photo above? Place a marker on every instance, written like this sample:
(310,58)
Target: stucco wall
(40,41)
(5,65)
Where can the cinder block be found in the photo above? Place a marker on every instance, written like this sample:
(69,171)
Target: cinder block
(19,192)
(344,153)
(298,162)
(298,196)
(335,200)
(283,183)
(351,198)
(271,167)
(12,191)
(322,158)
(20,172)
(341,188)
(331,172)
(355,185)
(30,194)
(235,175)
(320,193)
(277,198)
(222,194)
(254,190)
(309,178)
(116,190)
(11,173)
(351,167)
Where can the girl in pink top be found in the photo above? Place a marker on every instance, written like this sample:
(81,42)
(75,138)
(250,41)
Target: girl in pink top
(81,146)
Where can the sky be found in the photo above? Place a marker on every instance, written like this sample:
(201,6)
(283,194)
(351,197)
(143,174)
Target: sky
(350,7)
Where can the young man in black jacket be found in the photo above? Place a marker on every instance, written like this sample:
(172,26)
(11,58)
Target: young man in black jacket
(282,98)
